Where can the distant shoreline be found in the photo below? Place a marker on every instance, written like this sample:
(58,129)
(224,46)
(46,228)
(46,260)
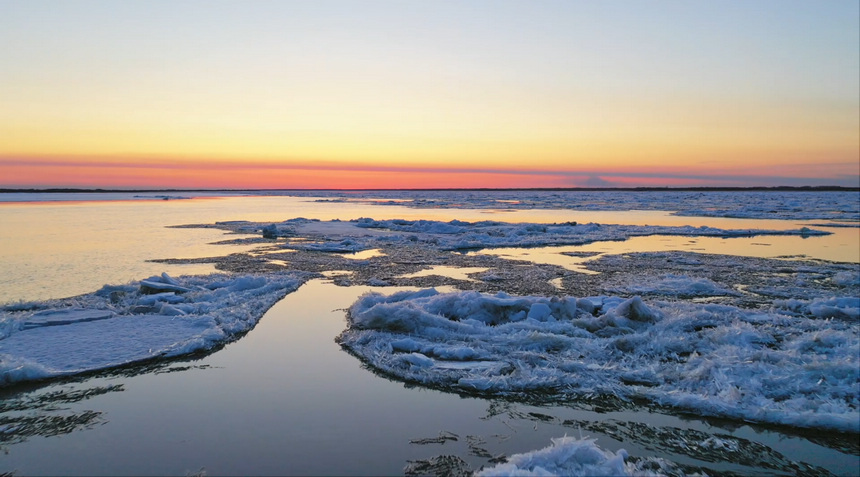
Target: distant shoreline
(477,189)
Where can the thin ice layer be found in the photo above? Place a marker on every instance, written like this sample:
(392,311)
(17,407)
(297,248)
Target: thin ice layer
(124,324)
(366,233)
(787,365)
(771,204)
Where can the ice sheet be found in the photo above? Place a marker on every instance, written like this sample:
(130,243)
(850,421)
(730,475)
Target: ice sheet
(366,233)
(566,456)
(795,363)
(677,285)
(572,456)
(788,205)
(119,325)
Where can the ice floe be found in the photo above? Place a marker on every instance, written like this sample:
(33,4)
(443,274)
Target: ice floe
(788,205)
(572,456)
(119,325)
(678,285)
(366,233)
(847,278)
(796,363)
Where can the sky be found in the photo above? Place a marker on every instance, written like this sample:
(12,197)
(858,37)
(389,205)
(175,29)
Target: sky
(422,94)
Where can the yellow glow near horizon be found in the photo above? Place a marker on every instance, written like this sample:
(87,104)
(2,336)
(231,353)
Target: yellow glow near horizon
(559,139)
(262,83)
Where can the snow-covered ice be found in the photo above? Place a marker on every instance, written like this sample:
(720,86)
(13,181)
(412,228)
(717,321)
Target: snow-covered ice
(119,325)
(458,235)
(678,285)
(566,456)
(796,364)
(366,233)
(787,205)
(572,456)
(773,204)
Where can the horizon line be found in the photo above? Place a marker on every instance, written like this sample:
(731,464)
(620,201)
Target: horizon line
(814,188)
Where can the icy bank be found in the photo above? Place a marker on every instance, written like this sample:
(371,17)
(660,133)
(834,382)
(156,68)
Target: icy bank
(118,325)
(795,364)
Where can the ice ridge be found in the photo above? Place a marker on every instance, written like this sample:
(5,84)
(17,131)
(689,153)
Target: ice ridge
(794,364)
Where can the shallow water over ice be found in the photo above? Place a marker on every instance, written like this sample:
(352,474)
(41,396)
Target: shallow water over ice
(286,400)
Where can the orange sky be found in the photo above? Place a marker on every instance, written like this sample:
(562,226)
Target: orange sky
(508,94)
(261,175)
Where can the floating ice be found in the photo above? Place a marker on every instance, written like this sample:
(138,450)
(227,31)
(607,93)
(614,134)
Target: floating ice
(790,365)
(566,456)
(65,317)
(787,205)
(457,234)
(366,233)
(847,278)
(847,308)
(571,456)
(677,285)
(119,325)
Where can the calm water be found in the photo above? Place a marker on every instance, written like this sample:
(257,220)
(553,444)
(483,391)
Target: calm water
(285,399)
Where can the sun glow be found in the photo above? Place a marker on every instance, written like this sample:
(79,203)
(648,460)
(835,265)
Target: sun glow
(259,94)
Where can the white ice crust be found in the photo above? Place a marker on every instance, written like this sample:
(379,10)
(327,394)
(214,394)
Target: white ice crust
(677,285)
(789,205)
(796,364)
(119,325)
(366,233)
(566,456)
(572,456)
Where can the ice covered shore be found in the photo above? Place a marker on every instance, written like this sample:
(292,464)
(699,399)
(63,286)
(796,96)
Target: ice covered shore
(118,325)
(795,364)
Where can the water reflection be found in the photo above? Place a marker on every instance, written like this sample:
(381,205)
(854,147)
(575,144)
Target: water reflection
(46,412)
(61,406)
(364,254)
(457,273)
